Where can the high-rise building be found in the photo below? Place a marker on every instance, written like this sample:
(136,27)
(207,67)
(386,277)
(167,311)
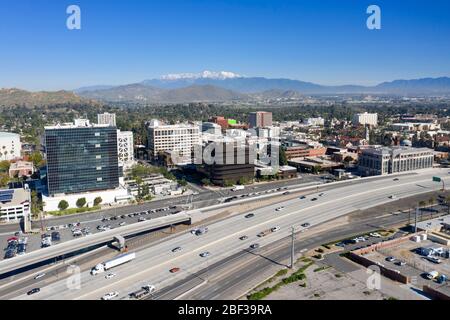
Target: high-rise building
(385,160)
(81,157)
(365,118)
(10,146)
(178,139)
(125,147)
(107,118)
(260,119)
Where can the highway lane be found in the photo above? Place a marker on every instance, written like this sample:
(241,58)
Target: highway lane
(152,264)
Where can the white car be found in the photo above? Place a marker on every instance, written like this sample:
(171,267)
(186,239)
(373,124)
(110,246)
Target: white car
(110,296)
(40,275)
(204,254)
(150,288)
(275,229)
(375,235)
(279,209)
(122,224)
(392,197)
(110,276)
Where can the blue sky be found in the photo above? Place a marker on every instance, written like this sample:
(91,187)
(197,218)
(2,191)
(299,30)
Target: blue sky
(121,42)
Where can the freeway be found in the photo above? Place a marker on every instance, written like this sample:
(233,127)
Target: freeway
(152,264)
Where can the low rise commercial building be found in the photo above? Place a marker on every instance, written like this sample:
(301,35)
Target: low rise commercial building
(21,169)
(387,160)
(15,204)
(10,146)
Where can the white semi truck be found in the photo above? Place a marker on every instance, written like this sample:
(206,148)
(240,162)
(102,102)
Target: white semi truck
(117,261)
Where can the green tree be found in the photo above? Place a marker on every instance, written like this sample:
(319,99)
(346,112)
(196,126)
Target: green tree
(283,158)
(206,182)
(422,204)
(81,202)
(4,166)
(36,204)
(97,201)
(36,158)
(63,205)
(182,182)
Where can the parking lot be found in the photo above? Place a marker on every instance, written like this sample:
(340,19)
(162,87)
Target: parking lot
(60,233)
(407,259)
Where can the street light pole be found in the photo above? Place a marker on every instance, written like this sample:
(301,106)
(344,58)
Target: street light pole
(292,248)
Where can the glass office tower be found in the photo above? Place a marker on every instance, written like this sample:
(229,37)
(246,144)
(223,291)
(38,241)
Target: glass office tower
(81,158)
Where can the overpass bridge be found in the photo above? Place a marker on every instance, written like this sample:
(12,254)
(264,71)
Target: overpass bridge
(16,264)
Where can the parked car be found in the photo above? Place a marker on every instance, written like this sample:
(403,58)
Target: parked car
(400,263)
(390,259)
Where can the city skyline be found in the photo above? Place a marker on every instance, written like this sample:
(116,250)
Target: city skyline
(326,43)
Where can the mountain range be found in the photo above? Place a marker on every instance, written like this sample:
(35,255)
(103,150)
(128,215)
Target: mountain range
(223,86)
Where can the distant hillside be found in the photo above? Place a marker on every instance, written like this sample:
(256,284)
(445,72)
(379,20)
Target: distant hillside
(12,97)
(148,94)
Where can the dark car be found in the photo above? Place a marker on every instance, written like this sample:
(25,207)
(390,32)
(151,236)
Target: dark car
(314,199)
(33,291)
(10,254)
(306,225)
(254,246)
(243,238)
(174,270)
(250,215)
(177,249)
(56,236)
(302,197)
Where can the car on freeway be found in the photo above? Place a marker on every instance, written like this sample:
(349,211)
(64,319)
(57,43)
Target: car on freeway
(306,225)
(396,179)
(400,263)
(110,295)
(150,288)
(33,291)
(243,238)
(205,254)
(56,236)
(122,224)
(254,246)
(142,219)
(321,194)
(286,193)
(21,249)
(250,215)
(302,197)
(110,276)
(390,259)
(174,270)
(275,229)
(177,249)
(40,275)
(279,209)
(392,197)
(314,199)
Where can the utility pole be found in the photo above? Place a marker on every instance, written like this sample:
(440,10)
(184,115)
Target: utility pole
(292,248)
(415,223)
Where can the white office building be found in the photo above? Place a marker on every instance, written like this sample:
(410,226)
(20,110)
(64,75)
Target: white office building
(14,204)
(178,139)
(107,118)
(10,146)
(385,160)
(125,148)
(315,122)
(365,118)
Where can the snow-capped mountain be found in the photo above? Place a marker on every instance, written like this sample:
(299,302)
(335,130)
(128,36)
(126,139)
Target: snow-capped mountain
(220,75)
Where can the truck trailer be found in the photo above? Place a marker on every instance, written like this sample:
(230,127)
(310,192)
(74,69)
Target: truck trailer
(117,261)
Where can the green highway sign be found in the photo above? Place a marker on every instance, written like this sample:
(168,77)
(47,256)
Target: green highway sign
(437,179)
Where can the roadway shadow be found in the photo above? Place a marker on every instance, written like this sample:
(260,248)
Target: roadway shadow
(266,258)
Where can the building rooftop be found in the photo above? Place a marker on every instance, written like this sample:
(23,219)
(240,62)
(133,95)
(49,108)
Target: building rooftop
(13,197)
(78,123)
(9,135)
